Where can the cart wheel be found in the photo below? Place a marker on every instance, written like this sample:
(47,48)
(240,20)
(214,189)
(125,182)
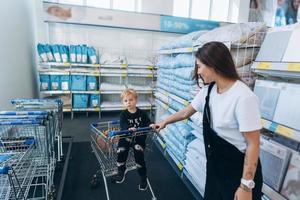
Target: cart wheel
(52,193)
(154,198)
(94,181)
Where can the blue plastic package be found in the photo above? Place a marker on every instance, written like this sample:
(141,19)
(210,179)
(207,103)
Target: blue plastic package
(48,51)
(78,54)
(67,52)
(84,53)
(80,100)
(72,53)
(92,83)
(65,82)
(44,82)
(63,53)
(56,53)
(55,80)
(42,52)
(94,100)
(92,55)
(78,83)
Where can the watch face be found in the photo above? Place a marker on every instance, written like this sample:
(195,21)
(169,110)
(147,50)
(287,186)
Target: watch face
(251,184)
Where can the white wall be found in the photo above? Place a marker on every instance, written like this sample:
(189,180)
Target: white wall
(17,52)
(164,7)
(238,11)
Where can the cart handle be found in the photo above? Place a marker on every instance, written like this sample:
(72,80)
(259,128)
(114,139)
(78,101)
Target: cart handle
(14,101)
(21,122)
(127,132)
(23,113)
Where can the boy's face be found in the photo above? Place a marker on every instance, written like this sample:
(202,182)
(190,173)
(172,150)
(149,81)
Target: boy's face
(129,101)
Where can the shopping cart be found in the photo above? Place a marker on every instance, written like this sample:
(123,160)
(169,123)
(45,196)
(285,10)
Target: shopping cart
(28,131)
(104,142)
(17,167)
(54,106)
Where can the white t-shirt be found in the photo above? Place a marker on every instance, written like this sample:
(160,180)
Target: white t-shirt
(232,112)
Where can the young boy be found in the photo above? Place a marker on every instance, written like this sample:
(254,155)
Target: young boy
(131,119)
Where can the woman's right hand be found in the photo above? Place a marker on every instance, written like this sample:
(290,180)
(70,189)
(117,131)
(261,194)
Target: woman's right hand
(158,126)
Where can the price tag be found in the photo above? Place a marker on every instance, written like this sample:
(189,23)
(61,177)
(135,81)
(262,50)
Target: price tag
(185,103)
(264,65)
(294,67)
(150,75)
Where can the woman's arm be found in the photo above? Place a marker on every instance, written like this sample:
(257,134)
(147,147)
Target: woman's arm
(251,155)
(180,115)
(250,163)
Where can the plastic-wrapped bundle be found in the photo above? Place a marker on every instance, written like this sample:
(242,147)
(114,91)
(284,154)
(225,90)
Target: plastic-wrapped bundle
(197,118)
(235,34)
(48,51)
(188,39)
(91,83)
(65,82)
(63,53)
(73,53)
(55,82)
(175,105)
(42,52)
(44,82)
(184,129)
(165,62)
(185,73)
(94,100)
(78,82)
(55,51)
(84,53)
(78,54)
(92,55)
(184,60)
(80,100)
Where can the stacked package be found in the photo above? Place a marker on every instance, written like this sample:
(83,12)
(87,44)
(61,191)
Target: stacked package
(63,53)
(243,39)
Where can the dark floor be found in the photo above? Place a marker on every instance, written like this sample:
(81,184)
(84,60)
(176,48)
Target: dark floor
(83,164)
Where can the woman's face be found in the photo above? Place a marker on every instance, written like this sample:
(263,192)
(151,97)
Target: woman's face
(207,73)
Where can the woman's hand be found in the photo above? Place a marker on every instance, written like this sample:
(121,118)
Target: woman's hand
(242,194)
(158,126)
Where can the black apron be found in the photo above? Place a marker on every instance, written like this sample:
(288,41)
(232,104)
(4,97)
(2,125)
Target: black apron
(225,163)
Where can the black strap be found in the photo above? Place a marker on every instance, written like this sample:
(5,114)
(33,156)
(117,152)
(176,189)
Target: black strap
(206,107)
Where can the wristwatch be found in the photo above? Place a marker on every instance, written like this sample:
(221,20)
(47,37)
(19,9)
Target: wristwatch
(248,183)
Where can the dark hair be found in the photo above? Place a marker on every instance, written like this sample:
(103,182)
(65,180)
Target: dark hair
(217,56)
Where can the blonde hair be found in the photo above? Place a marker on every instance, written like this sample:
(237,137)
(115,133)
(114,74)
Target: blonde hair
(129,92)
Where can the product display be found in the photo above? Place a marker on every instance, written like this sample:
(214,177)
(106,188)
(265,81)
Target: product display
(274,160)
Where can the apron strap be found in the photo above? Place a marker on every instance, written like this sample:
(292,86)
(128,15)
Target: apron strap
(206,106)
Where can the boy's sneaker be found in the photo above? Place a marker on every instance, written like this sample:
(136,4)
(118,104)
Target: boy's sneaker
(143,184)
(120,177)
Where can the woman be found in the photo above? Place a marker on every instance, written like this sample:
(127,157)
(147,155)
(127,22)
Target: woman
(231,126)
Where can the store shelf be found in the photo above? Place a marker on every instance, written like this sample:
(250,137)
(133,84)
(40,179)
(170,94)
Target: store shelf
(68,64)
(56,64)
(114,75)
(117,66)
(85,92)
(174,97)
(86,109)
(56,92)
(281,130)
(151,67)
(272,194)
(161,142)
(85,74)
(53,73)
(178,50)
(141,75)
(67,109)
(279,69)
(85,65)
(191,185)
(120,91)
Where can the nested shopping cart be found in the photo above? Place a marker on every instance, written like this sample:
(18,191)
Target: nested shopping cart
(104,143)
(27,157)
(54,107)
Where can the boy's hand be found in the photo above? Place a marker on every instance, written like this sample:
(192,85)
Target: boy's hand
(132,129)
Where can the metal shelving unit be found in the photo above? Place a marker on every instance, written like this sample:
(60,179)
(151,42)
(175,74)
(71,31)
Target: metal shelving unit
(71,69)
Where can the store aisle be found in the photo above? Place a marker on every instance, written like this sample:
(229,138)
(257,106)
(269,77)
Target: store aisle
(83,164)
